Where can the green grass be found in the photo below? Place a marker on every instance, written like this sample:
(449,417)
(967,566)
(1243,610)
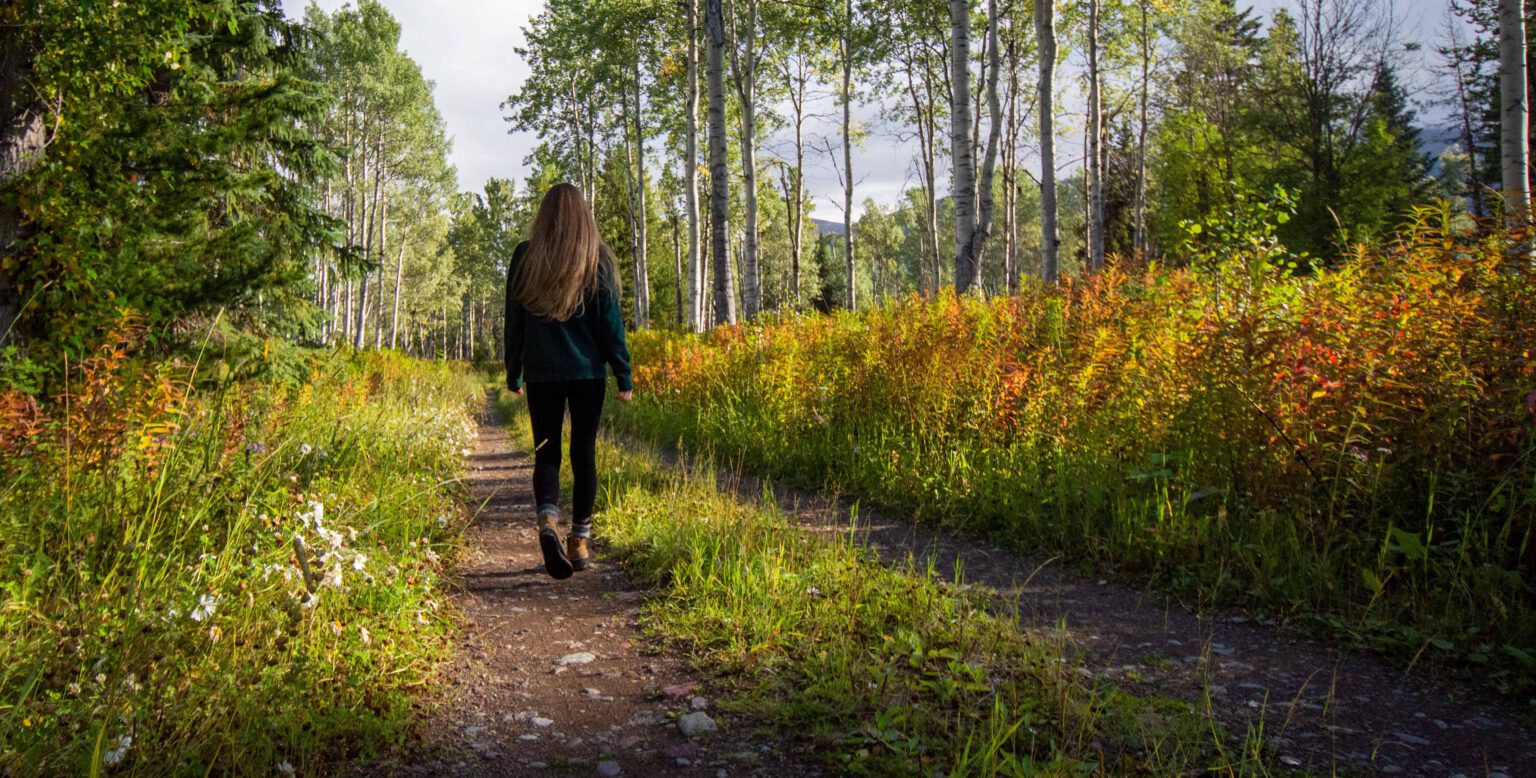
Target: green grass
(881,670)
(244,580)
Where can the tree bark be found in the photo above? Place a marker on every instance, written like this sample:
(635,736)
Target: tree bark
(1141,135)
(983,230)
(1514,140)
(962,151)
(394,315)
(794,183)
(849,244)
(1045,31)
(642,261)
(23,135)
(691,176)
(677,262)
(1095,134)
(719,183)
(745,71)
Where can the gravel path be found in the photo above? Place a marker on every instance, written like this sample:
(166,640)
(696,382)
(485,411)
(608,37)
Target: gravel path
(1316,706)
(553,677)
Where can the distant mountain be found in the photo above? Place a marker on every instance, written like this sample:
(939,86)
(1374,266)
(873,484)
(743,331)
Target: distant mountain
(824,227)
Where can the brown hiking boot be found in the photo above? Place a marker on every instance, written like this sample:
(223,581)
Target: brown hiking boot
(555,562)
(579,551)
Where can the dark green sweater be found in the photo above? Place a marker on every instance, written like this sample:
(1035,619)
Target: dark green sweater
(582,347)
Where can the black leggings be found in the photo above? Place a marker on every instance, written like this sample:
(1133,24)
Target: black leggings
(547,404)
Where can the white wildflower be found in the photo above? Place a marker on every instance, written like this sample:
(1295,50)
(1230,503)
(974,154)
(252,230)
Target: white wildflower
(305,449)
(333,578)
(363,633)
(285,769)
(120,750)
(206,605)
(359,562)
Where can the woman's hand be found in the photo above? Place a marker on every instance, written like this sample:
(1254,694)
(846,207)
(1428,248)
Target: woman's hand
(625,397)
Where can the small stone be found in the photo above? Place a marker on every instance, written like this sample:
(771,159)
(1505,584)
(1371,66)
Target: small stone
(590,692)
(538,765)
(698,703)
(682,750)
(696,723)
(1290,761)
(578,658)
(529,737)
(473,731)
(678,690)
(629,742)
(1412,740)
(608,768)
(1390,769)
(543,722)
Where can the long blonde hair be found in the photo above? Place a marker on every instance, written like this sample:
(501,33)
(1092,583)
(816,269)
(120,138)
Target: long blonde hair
(565,260)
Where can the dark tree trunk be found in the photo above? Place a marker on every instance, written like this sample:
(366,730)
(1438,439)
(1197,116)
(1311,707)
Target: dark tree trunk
(22,137)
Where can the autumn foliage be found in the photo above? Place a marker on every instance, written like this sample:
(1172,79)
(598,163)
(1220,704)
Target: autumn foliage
(1357,444)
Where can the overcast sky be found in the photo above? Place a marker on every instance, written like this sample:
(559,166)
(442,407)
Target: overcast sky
(466,48)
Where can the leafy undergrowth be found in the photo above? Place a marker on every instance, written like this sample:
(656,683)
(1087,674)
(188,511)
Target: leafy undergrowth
(212,575)
(881,671)
(1356,447)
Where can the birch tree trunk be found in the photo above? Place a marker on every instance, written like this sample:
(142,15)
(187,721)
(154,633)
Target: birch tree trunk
(642,263)
(691,176)
(394,314)
(719,183)
(1045,31)
(1514,140)
(1141,135)
(962,150)
(745,71)
(983,230)
(1095,145)
(849,244)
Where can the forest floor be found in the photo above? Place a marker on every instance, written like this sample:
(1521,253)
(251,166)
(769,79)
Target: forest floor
(556,677)
(1315,706)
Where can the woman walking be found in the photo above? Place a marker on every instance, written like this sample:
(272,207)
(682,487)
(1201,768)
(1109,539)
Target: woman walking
(563,332)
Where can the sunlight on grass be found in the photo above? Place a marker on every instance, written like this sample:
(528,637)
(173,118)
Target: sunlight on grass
(1352,448)
(882,671)
(250,588)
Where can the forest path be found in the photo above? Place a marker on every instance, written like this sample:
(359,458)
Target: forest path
(554,677)
(1316,706)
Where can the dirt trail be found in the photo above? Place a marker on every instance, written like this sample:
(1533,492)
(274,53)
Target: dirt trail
(554,677)
(1316,706)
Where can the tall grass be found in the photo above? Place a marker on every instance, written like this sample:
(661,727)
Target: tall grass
(880,670)
(1355,446)
(210,575)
